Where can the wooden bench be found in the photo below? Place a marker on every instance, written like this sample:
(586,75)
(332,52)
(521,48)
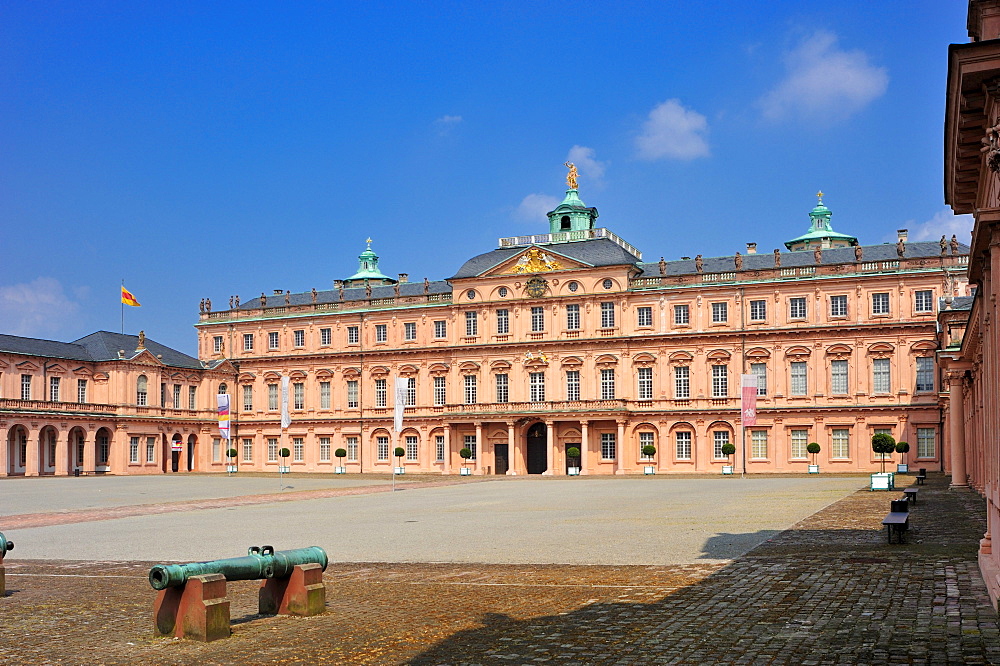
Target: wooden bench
(84,472)
(897,520)
(910,494)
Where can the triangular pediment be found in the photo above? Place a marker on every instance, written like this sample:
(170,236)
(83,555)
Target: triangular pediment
(146,357)
(535,259)
(28,366)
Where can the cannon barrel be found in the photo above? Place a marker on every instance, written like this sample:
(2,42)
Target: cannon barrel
(259,563)
(5,545)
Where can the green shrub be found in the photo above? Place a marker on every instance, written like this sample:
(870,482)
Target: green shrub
(883,443)
(340,453)
(813,448)
(465,454)
(728,449)
(398,452)
(902,447)
(573,453)
(649,451)
(284,452)
(231,453)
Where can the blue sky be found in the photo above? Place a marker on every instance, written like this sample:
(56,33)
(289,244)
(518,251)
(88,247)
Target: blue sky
(209,149)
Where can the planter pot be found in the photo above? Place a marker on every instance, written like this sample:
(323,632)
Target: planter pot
(649,469)
(466,471)
(399,470)
(573,471)
(340,470)
(727,469)
(883,481)
(902,468)
(814,469)
(284,470)
(231,469)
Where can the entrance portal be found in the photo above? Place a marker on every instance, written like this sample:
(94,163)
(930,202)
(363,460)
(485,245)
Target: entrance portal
(502,461)
(537,458)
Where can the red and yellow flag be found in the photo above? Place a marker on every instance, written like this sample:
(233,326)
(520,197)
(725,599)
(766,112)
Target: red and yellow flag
(128,298)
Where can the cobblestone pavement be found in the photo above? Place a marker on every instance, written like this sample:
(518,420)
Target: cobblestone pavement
(828,591)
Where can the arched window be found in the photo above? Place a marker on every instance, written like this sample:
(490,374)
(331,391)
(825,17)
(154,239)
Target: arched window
(223,389)
(140,391)
(564,223)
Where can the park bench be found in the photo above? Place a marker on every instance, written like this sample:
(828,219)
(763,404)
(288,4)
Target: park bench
(897,520)
(910,494)
(88,472)
(921,476)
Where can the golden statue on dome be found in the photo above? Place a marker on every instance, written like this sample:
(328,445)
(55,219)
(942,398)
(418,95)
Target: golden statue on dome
(571,176)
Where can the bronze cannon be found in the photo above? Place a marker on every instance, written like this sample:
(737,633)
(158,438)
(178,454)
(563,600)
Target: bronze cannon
(261,562)
(5,545)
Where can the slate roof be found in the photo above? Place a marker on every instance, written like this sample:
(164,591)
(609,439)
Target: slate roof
(957,303)
(350,294)
(99,346)
(597,252)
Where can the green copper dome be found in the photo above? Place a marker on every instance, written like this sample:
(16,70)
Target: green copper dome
(368,268)
(821,233)
(572,214)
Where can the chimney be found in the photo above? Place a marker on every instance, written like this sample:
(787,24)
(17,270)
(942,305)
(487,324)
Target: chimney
(902,233)
(751,248)
(404,278)
(278,292)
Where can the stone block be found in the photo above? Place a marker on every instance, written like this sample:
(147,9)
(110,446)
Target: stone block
(198,610)
(301,593)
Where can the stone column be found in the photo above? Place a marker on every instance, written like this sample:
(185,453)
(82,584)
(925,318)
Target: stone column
(584,446)
(620,448)
(512,456)
(32,461)
(366,455)
(479,447)
(956,430)
(90,455)
(447,449)
(62,455)
(549,446)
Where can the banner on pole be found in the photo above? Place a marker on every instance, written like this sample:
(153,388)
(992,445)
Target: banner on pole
(400,404)
(222,400)
(286,419)
(748,384)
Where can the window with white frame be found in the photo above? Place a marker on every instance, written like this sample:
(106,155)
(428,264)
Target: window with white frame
(759,370)
(440,329)
(758,310)
(923,300)
(324,449)
(471,396)
(133,450)
(411,447)
(758,444)
(272,449)
(838,306)
(925,373)
(298,449)
(81,391)
(682,382)
(720,313)
(53,389)
(881,378)
(440,392)
(799,442)
(103,449)
(299,338)
(609,446)
(838,377)
(247,450)
(572,384)
(572,317)
(503,321)
(177,396)
(248,342)
(352,449)
(645,439)
(799,385)
(381,333)
(471,324)
(720,381)
(382,447)
(380,393)
(682,444)
(411,392)
(470,443)
(607,314)
(503,388)
(880,303)
(797,308)
(324,395)
(926,447)
(150,450)
(141,390)
(682,315)
(217,344)
(192,397)
(536,385)
(410,331)
(840,443)
(607,384)
(537,319)
(644,316)
(298,395)
(325,336)
(248,397)
(352,394)
(719,439)
(223,389)
(439,448)
(272,340)
(645,380)
(163,394)
(353,335)
(272,397)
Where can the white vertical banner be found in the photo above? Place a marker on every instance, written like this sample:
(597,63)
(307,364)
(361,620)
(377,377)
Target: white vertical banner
(748,386)
(222,399)
(286,420)
(400,386)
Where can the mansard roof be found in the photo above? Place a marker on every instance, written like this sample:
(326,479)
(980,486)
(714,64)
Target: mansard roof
(99,346)
(355,293)
(597,252)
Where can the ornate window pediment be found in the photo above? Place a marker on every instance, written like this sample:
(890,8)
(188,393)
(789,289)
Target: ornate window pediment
(643,360)
(758,353)
(351,373)
(407,370)
(798,351)
(245,378)
(438,369)
(324,373)
(468,367)
(680,358)
(379,371)
(606,361)
(500,366)
(28,366)
(923,347)
(297,374)
(272,376)
(881,349)
(718,355)
(571,362)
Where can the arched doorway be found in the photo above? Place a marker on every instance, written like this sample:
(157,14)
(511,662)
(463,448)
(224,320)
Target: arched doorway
(102,451)
(74,450)
(47,450)
(192,440)
(537,441)
(17,450)
(176,448)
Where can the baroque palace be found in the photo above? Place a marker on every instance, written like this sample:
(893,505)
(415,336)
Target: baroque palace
(546,343)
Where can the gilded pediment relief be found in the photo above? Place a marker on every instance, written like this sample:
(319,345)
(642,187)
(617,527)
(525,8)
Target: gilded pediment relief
(535,260)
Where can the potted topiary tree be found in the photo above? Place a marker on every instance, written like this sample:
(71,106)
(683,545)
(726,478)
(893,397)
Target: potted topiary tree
(340,453)
(813,448)
(283,467)
(465,454)
(399,452)
(573,458)
(883,443)
(648,451)
(902,448)
(728,450)
(231,463)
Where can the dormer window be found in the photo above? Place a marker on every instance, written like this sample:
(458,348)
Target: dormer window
(564,223)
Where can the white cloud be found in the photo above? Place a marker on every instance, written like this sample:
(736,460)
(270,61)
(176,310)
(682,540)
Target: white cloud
(36,308)
(944,223)
(824,82)
(586,163)
(673,132)
(445,123)
(534,207)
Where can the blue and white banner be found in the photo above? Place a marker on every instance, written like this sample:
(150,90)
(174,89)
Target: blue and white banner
(286,420)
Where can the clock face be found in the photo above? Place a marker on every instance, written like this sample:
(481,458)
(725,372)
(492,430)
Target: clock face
(536,287)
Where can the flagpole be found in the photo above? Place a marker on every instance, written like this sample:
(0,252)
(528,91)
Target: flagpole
(123,307)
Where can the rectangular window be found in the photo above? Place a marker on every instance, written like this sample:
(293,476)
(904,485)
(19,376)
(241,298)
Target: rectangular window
(192,397)
(503,388)
(607,315)
(272,397)
(682,444)
(352,394)
(471,397)
(609,446)
(272,340)
(880,303)
(177,396)
(440,393)
(247,397)
(925,443)
(150,450)
(53,389)
(409,331)
(248,342)
(645,378)
(298,449)
(133,450)
(682,315)
(720,381)
(800,439)
(353,336)
(573,317)
(682,382)
(838,306)
(720,313)
(380,393)
(644,315)
(324,449)
(796,308)
(881,380)
(923,301)
(572,384)
(26,387)
(217,344)
(352,449)
(607,384)
(440,329)
(470,443)
(503,322)
(411,448)
(758,444)
(645,439)
(758,310)
(325,336)
(272,449)
(759,370)
(537,319)
(411,392)
(298,395)
(163,394)
(536,382)
(799,384)
(381,333)
(81,391)
(840,443)
(719,439)
(247,450)
(382,448)
(324,395)
(439,448)
(471,325)
(925,373)
(838,377)
(299,338)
